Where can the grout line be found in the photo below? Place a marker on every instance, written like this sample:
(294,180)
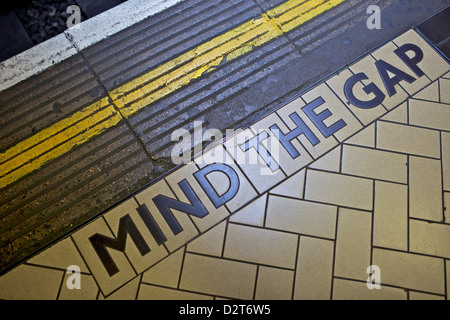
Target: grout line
(244,261)
(407,290)
(296,268)
(97,296)
(139,286)
(446,279)
(439,89)
(372,228)
(266,206)
(256,281)
(285,231)
(408,201)
(182,266)
(334,253)
(225,234)
(410,252)
(442,176)
(187,291)
(304,183)
(408,111)
(52,268)
(60,286)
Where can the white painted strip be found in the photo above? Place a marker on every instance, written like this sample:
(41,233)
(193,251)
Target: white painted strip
(53,51)
(116,19)
(34,60)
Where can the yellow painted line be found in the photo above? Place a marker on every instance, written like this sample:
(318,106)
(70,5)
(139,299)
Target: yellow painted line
(50,143)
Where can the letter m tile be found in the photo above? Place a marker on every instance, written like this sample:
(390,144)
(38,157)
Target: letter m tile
(101,243)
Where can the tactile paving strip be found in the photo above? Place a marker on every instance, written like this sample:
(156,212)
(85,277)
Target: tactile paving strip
(362,178)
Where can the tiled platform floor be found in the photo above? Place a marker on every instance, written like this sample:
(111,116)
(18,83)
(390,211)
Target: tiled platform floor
(352,188)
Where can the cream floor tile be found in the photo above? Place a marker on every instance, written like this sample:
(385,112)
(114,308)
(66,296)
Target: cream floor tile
(429,93)
(353,244)
(338,82)
(408,270)
(425,189)
(167,272)
(339,189)
(219,277)
(329,162)
(61,255)
(31,283)
(433,65)
(301,217)
(291,187)
(429,238)
(339,112)
(364,138)
(211,242)
(274,284)
(119,260)
(253,214)
(314,277)
(444,85)
(429,114)
(214,215)
(138,261)
(407,139)
(445,138)
(390,228)
(310,135)
(399,114)
(376,164)
(386,53)
(414,295)
(127,292)
(88,289)
(355,290)
(184,227)
(244,243)
(149,292)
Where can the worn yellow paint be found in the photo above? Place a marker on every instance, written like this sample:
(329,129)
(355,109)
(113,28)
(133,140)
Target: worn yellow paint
(33,153)
(50,143)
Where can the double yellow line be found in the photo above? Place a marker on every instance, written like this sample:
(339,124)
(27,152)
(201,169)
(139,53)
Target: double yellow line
(58,139)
